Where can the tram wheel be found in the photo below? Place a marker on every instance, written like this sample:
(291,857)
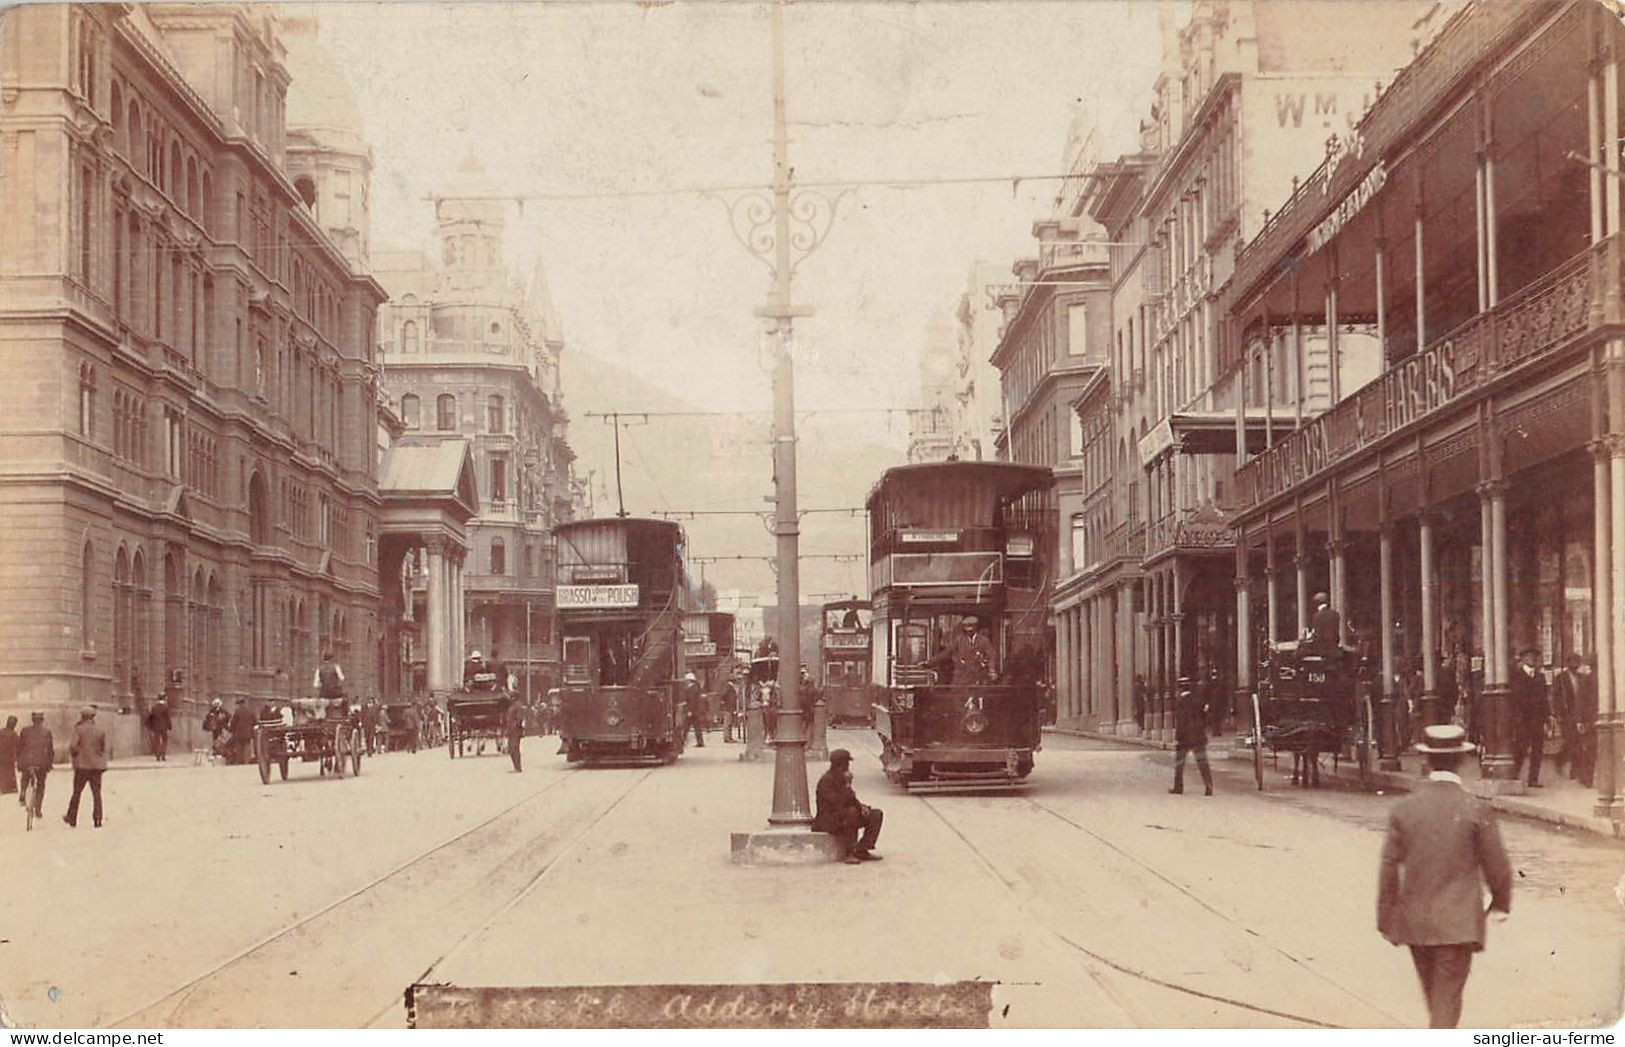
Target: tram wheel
(1258,744)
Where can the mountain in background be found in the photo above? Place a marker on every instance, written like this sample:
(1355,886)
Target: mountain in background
(698,462)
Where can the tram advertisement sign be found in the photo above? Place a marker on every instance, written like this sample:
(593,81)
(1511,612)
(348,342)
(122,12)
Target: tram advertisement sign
(847,641)
(699,648)
(928,537)
(593,596)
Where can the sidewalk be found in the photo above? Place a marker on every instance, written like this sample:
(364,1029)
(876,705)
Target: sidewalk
(1562,803)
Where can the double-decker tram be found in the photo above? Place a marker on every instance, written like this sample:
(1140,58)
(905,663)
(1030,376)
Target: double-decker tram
(957,569)
(621,597)
(708,640)
(845,650)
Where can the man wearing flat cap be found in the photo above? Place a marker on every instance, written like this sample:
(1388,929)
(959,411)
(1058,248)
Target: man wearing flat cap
(89,752)
(969,655)
(1441,850)
(1325,628)
(841,815)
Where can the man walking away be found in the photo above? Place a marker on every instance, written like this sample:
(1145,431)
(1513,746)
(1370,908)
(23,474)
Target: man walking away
(8,756)
(1529,711)
(513,723)
(89,752)
(696,707)
(36,751)
(159,723)
(1441,850)
(841,815)
(242,732)
(1190,734)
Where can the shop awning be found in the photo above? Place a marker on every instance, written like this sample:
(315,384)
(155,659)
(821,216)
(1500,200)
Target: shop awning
(1212,432)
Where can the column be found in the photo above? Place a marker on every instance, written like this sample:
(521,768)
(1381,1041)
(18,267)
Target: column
(1336,551)
(1300,562)
(1430,647)
(1605,776)
(1421,264)
(1153,639)
(1244,630)
(434,640)
(1392,743)
(1125,657)
(1271,583)
(1494,704)
(1075,623)
(1611,693)
(459,614)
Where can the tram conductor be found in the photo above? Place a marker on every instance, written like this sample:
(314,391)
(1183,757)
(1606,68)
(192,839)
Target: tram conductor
(841,815)
(969,656)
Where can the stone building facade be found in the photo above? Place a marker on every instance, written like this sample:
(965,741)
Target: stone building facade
(187,428)
(470,355)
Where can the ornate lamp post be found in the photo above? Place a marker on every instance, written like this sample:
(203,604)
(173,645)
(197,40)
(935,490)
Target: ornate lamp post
(781,228)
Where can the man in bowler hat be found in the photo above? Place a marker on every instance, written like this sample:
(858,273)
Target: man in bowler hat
(1441,850)
(841,815)
(1190,734)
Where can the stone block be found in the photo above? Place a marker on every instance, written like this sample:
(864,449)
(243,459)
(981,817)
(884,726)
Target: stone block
(785,847)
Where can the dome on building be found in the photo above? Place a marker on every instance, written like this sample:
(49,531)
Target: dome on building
(320,102)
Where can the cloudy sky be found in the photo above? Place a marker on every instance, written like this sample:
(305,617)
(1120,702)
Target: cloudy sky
(601,98)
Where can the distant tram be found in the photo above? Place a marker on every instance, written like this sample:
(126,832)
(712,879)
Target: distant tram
(708,640)
(621,596)
(845,651)
(957,571)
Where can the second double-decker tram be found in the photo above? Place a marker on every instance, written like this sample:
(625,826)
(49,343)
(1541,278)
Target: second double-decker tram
(845,652)
(621,596)
(957,569)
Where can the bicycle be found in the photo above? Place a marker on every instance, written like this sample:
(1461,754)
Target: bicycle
(30,797)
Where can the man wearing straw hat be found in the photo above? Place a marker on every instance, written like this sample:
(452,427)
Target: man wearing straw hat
(1442,849)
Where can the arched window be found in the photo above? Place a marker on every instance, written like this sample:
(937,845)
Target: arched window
(205,206)
(259,523)
(193,204)
(409,411)
(495,419)
(409,337)
(138,617)
(499,557)
(121,622)
(173,175)
(306,187)
(133,144)
(121,137)
(445,412)
(87,597)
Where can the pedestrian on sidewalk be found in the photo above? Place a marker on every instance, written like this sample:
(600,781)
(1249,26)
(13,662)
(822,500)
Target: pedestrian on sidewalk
(1530,710)
(1565,708)
(1190,734)
(8,756)
(89,751)
(242,731)
(1442,849)
(841,815)
(159,723)
(1585,722)
(36,751)
(695,702)
(513,723)
(216,721)
(729,697)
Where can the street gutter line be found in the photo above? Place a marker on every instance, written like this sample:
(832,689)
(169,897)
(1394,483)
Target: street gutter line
(188,986)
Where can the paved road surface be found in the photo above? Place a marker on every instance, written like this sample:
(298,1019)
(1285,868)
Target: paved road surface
(1094,899)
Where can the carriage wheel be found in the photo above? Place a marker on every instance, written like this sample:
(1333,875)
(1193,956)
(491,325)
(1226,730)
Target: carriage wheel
(341,745)
(1367,735)
(355,750)
(282,767)
(262,753)
(1258,743)
(451,741)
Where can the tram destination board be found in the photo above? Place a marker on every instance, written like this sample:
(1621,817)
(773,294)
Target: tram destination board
(571,597)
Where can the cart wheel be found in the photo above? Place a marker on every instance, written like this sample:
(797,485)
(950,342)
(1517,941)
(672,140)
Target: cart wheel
(262,753)
(451,744)
(340,751)
(355,750)
(282,766)
(1258,744)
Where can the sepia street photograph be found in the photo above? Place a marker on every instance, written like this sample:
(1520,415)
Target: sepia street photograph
(812,514)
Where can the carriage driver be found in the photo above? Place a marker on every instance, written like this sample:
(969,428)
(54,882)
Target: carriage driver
(1326,627)
(969,656)
(329,679)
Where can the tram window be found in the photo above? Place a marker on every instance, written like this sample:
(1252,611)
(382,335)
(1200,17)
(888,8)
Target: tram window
(913,643)
(577,659)
(615,659)
(834,673)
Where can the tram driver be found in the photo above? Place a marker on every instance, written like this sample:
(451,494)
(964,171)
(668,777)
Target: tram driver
(969,656)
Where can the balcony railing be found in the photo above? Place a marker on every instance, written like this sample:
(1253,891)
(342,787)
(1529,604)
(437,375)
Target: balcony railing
(1524,327)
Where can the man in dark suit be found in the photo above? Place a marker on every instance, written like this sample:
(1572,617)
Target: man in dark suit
(841,815)
(1325,628)
(1190,734)
(242,732)
(1442,848)
(36,752)
(1529,712)
(160,723)
(1566,702)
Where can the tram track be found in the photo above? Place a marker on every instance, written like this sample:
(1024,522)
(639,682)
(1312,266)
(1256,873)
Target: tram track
(503,835)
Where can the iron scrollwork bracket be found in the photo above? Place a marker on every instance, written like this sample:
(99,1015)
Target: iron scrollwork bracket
(751,220)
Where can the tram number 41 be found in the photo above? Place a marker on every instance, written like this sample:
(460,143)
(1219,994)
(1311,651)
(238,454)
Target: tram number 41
(973,704)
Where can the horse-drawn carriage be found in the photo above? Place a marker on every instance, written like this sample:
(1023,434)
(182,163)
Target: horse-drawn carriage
(475,716)
(1312,700)
(326,733)
(762,691)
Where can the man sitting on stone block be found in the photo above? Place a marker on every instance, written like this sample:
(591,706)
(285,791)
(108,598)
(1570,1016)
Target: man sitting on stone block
(841,815)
